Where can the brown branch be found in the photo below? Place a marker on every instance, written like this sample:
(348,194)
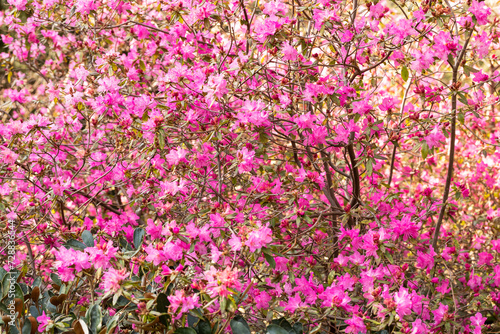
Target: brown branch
(354,173)
(96,201)
(451,159)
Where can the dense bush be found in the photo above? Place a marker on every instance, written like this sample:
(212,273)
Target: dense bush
(285,167)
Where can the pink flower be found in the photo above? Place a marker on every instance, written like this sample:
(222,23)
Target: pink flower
(403,302)
(246,159)
(275,7)
(154,230)
(419,327)
(185,303)
(480,11)
(377,11)
(43,321)
(485,258)
(480,76)
(440,313)
(265,29)
(334,297)
(387,104)
(19,4)
(294,303)
(356,324)
(405,228)
(496,278)
(113,279)
(262,299)
(8,156)
(475,283)
(235,243)
(346,36)
(259,238)
(289,52)
(478,321)
(85,6)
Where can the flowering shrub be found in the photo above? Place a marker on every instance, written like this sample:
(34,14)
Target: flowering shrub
(280,167)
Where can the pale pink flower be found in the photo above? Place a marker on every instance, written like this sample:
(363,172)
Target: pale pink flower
(113,279)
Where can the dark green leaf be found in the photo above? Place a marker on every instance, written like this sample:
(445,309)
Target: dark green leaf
(298,327)
(19,292)
(75,244)
(185,330)
(162,304)
(56,279)
(95,318)
(37,281)
(138,237)
(283,323)
(14,330)
(26,327)
(204,327)
(239,325)
(275,329)
(111,324)
(3,272)
(34,311)
(192,320)
(88,238)
(270,260)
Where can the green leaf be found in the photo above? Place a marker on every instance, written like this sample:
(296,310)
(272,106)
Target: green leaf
(425,150)
(239,325)
(404,73)
(88,238)
(369,167)
(298,327)
(18,292)
(162,304)
(75,244)
(192,320)
(270,260)
(451,60)
(461,118)
(26,327)
(185,330)
(34,311)
(389,257)
(204,327)
(283,323)
(142,65)
(161,139)
(138,237)
(14,330)
(462,98)
(95,318)
(470,69)
(3,272)
(111,324)
(275,329)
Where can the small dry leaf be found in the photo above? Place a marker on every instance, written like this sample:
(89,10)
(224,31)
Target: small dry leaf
(34,325)
(35,294)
